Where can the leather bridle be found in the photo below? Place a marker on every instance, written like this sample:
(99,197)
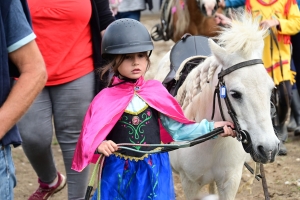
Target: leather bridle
(242,135)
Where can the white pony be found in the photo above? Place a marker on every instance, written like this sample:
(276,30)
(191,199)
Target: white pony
(249,91)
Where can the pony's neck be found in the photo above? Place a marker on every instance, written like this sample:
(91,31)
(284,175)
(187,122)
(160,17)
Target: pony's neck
(195,13)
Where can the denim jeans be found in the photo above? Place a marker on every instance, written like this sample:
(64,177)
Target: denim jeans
(7,174)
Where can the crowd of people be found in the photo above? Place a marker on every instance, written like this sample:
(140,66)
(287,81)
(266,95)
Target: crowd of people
(80,77)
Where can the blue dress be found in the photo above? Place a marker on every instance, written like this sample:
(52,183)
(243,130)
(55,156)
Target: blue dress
(127,175)
(147,179)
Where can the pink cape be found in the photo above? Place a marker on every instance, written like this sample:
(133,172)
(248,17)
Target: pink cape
(108,106)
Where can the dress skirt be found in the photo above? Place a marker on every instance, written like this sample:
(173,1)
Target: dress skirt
(145,179)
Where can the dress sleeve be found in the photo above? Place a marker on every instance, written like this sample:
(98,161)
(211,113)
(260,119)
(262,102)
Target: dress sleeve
(181,132)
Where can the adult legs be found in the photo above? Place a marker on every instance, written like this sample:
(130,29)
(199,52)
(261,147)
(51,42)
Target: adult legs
(36,130)
(7,173)
(296,58)
(284,92)
(70,103)
(295,111)
(67,103)
(295,105)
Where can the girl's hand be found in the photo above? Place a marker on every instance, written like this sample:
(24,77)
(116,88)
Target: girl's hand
(227,127)
(222,19)
(107,147)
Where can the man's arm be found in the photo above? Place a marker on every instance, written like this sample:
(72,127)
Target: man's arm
(33,77)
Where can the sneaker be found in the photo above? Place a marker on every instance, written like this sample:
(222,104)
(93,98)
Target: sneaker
(45,192)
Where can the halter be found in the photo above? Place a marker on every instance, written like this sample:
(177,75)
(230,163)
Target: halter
(242,135)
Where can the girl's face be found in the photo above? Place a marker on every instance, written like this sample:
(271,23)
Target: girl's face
(134,65)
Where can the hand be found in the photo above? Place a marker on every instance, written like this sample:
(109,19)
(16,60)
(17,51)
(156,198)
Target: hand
(227,127)
(269,23)
(107,147)
(222,19)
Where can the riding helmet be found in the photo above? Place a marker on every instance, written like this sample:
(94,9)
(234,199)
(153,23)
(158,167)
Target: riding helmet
(125,36)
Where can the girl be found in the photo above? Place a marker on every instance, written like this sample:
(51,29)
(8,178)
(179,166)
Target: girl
(130,111)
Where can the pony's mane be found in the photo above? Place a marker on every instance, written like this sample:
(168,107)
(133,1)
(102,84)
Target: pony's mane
(196,80)
(250,37)
(183,17)
(243,35)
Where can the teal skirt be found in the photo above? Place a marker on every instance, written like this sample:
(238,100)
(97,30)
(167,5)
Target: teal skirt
(146,179)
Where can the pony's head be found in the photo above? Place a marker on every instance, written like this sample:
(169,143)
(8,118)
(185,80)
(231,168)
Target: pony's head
(248,85)
(208,7)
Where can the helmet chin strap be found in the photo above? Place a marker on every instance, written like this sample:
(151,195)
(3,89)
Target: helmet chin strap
(124,78)
(150,53)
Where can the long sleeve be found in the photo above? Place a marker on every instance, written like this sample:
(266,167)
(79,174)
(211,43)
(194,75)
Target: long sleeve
(234,3)
(180,132)
(290,25)
(105,15)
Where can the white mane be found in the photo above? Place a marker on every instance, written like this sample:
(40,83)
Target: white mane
(196,81)
(244,35)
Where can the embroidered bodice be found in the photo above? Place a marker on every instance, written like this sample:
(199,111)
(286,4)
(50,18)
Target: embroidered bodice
(140,127)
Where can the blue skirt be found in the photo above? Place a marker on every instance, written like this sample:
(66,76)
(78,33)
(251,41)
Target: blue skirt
(146,179)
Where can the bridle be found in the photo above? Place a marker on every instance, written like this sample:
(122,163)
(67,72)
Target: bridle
(220,92)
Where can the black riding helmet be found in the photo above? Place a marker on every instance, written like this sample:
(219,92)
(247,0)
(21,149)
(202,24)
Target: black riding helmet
(125,36)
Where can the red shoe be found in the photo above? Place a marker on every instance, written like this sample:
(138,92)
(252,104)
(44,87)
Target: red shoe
(45,192)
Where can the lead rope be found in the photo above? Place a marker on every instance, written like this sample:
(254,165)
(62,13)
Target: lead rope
(264,182)
(98,167)
(164,148)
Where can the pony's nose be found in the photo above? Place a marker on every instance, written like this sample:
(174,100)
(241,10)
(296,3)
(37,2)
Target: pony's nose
(268,154)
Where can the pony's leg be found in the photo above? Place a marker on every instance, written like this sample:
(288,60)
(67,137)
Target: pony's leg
(228,186)
(190,188)
(249,183)
(212,188)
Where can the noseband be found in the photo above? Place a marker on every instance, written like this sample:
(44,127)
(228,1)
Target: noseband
(220,91)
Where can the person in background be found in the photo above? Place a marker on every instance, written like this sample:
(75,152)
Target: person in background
(131,8)
(282,17)
(129,111)
(68,35)
(294,123)
(17,44)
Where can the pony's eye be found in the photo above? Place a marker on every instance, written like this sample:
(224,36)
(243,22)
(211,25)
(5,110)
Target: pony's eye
(235,95)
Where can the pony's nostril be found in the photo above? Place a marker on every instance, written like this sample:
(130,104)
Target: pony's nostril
(261,151)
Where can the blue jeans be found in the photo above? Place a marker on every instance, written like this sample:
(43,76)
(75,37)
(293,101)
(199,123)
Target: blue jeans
(7,174)
(130,14)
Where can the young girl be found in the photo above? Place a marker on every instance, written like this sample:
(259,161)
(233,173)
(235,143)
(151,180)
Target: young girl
(129,111)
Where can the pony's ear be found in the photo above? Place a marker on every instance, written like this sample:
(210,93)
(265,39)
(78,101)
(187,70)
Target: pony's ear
(217,51)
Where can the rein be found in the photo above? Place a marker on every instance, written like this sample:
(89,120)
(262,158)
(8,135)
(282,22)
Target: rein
(164,148)
(220,92)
